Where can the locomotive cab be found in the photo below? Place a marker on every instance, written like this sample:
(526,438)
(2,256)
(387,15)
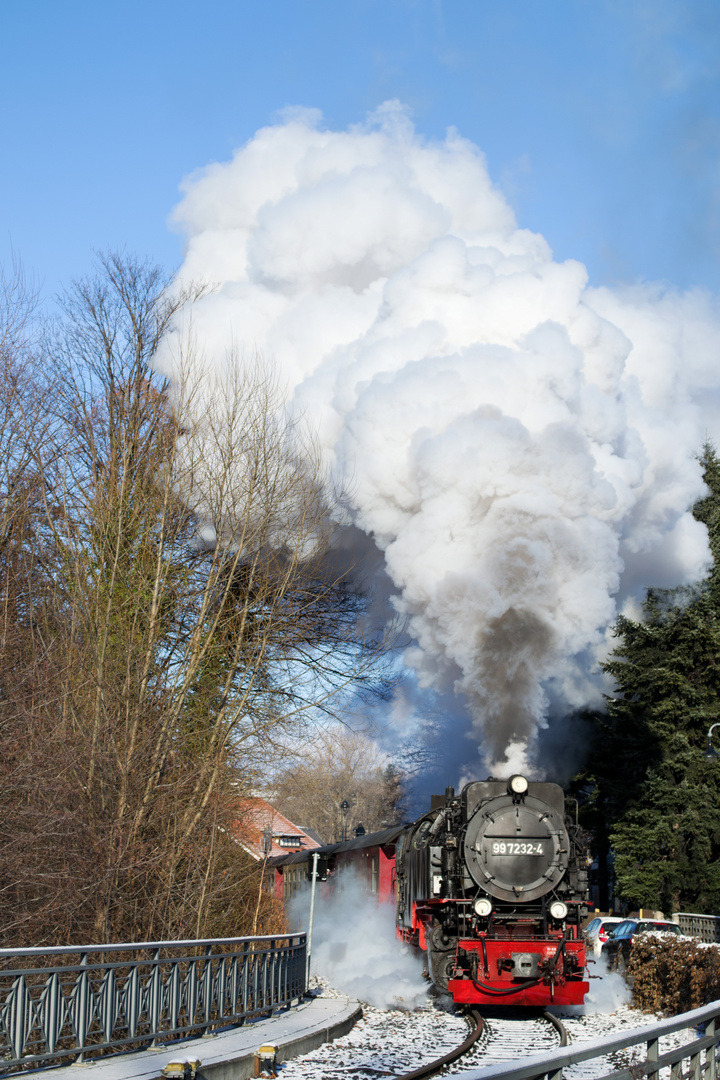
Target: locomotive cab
(492,884)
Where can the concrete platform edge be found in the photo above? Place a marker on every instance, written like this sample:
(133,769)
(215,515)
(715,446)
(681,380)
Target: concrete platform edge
(242,1068)
(230,1054)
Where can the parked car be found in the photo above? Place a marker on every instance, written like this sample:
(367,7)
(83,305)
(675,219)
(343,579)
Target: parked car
(617,946)
(596,932)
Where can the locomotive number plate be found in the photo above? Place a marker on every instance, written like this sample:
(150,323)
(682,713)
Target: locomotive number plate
(517,847)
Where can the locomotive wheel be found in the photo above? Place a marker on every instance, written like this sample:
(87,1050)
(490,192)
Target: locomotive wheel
(441,966)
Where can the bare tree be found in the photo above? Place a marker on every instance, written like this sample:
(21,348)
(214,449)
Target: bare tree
(185,623)
(23,574)
(340,765)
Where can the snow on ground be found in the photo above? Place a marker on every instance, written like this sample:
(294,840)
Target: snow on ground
(607,1012)
(602,1025)
(385,1042)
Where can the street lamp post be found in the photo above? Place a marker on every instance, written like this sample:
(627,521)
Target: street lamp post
(711,753)
(312,915)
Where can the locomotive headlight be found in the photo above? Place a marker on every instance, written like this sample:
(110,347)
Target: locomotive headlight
(518,784)
(558,910)
(482,906)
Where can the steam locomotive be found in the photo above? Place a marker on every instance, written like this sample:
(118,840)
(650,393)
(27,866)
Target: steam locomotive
(491,884)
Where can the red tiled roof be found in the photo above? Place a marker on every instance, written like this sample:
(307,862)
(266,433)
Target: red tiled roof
(254,816)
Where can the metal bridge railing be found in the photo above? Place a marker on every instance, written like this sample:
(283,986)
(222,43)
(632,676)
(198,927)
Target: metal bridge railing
(694,1060)
(130,995)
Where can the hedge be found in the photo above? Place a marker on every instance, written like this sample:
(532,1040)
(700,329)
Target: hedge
(673,974)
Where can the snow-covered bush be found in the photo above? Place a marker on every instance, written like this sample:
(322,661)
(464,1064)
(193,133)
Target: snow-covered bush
(673,974)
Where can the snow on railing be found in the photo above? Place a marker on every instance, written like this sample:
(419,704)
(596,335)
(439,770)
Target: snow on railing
(130,995)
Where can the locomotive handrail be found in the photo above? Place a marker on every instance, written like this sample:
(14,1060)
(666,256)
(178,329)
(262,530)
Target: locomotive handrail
(132,994)
(551,1065)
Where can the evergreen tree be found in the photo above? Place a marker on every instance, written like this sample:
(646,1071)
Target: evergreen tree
(658,796)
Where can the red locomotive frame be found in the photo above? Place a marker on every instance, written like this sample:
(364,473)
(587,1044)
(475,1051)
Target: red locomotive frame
(482,972)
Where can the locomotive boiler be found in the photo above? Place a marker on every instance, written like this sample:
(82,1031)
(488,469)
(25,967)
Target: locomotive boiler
(492,884)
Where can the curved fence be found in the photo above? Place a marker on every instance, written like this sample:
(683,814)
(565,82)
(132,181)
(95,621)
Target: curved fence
(81,1001)
(694,1060)
(704,927)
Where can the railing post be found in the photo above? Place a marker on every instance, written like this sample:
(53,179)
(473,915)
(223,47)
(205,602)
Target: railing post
(51,1011)
(245,980)
(108,1003)
(155,998)
(653,1051)
(710,1053)
(285,972)
(173,994)
(191,989)
(207,988)
(256,977)
(273,957)
(132,1001)
(221,981)
(81,1008)
(265,956)
(17,1011)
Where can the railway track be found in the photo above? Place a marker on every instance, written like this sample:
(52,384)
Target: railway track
(423,1043)
(512,1034)
(499,1037)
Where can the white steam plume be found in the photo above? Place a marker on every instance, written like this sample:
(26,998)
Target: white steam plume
(355,946)
(520,447)
(608,990)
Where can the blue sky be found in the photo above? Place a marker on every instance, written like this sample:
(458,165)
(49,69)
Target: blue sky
(600,120)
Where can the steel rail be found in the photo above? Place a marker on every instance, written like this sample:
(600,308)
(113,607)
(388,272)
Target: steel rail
(559,1027)
(435,1066)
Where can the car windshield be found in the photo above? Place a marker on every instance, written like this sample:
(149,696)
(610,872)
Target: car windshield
(623,928)
(592,926)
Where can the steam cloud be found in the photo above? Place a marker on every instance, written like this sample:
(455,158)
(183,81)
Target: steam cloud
(519,446)
(355,946)
(608,991)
